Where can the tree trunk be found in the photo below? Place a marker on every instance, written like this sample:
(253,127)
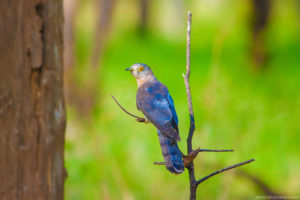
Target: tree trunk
(32,111)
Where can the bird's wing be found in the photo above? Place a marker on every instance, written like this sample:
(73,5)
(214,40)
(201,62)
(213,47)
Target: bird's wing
(174,114)
(155,102)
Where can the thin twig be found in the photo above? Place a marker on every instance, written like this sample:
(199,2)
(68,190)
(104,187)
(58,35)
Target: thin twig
(188,159)
(223,170)
(216,150)
(139,119)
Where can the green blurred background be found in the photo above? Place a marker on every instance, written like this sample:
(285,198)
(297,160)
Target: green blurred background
(245,80)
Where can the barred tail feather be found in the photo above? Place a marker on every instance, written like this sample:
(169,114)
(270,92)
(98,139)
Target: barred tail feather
(171,153)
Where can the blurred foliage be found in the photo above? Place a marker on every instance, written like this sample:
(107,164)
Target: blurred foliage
(254,111)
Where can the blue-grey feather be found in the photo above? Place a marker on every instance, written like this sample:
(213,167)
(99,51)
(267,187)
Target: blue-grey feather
(172,107)
(171,153)
(154,100)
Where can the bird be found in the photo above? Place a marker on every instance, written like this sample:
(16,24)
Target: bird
(157,105)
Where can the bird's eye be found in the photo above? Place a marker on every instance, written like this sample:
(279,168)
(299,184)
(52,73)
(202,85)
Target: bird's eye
(141,68)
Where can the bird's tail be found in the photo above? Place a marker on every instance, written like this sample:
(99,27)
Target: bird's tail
(171,153)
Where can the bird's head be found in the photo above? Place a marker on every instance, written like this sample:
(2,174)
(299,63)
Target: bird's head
(140,71)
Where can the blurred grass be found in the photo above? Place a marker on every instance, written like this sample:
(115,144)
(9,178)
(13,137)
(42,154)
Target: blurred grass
(110,156)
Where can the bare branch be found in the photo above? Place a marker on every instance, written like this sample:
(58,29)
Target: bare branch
(138,119)
(216,150)
(192,154)
(223,170)
(189,161)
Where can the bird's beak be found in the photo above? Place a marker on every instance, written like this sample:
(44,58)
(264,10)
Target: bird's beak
(129,69)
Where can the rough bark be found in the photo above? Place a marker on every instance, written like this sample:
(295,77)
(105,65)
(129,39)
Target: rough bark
(32,111)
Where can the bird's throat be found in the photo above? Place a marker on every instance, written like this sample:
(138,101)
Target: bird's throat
(142,80)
